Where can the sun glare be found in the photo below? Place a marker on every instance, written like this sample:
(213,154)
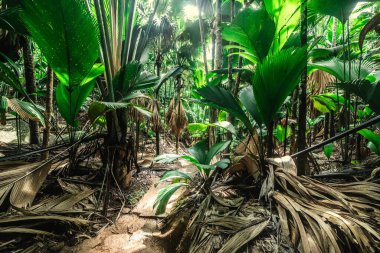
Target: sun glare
(190,12)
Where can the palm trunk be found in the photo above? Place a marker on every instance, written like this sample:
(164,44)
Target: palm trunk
(302,109)
(48,111)
(30,84)
(230,76)
(218,65)
(158,71)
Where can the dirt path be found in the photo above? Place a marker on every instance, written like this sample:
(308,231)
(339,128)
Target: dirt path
(134,232)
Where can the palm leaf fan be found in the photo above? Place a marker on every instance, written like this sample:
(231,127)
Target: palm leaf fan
(69,40)
(275,78)
(340,69)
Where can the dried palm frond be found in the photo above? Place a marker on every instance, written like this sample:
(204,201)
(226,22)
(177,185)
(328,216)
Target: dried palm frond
(170,111)
(156,117)
(22,181)
(25,110)
(178,119)
(135,114)
(326,217)
(319,80)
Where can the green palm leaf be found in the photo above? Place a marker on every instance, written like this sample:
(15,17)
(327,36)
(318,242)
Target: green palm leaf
(275,78)
(340,69)
(286,14)
(341,9)
(255,38)
(222,98)
(67,35)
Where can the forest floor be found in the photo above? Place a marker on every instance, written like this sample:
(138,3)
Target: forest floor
(137,229)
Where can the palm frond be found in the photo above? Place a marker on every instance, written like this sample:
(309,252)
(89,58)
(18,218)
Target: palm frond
(275,78)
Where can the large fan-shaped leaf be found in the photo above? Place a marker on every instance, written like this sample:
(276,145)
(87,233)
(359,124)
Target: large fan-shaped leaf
(67,35)
(221,98)
(252,30)
(341,9)
(275,78)
(340,69)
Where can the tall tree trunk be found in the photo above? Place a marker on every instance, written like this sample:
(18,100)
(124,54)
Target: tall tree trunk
(302,109)
(48,110)
(202,33)
(158,71)
(218,65)
(230,74)
(30,84)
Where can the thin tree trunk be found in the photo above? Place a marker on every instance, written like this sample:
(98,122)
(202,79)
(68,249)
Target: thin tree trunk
(270,140)
(302,109)
(48,111)
(158,71)
(230,75)
(30,84)
(218,65)
(202,33)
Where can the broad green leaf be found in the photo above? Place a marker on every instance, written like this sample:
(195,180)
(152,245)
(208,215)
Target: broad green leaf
(198,151)
(252,29)
(323,104)
(341,9)
(280,133)
(372,138)
(286,14)
(96,71)
(328,150)
(70,103)
(197,128)
(248,99)
(175,174)
(164,195)
(223,164)
(340,69)
(215,150)
(375,149)
(67,35)
(221,98)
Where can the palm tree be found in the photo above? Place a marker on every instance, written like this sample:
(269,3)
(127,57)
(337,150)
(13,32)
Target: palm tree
(302,105)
